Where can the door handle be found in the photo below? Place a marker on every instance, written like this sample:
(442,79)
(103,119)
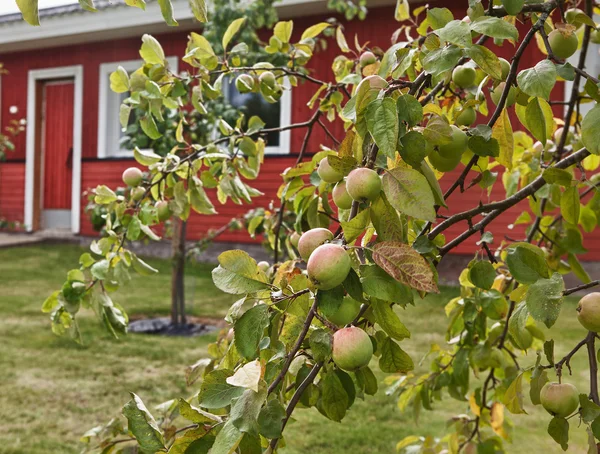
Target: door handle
(69,162)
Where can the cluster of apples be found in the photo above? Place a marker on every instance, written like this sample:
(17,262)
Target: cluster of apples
(562,399)
(134,177)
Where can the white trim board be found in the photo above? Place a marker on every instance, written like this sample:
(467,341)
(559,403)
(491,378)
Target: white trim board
(76,72)
(104,91)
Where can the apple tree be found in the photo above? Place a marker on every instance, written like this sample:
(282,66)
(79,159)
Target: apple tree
(309,330)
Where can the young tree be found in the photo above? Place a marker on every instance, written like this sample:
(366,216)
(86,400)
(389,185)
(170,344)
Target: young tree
(307,336)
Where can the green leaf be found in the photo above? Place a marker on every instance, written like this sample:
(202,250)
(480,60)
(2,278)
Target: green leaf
(437,131)
(590,130)
(517,324)
(238,273)
(334,398)
(104,195)
(88,5)
(149,127)
(442,60)
(196,415)
(388,320)
(245,411)
(527,263)
(320,344)
(227,440)
(413,148)
(570,205)
(495,28)
(409,110)
(559,431)
(544,299)
(314,30)
(382,123)
(151,51)
(356,226)
(231,31)
(199,9)
(329,301)
(486,60)
(408,191)
(539,378)
(386,221)
(539,80)
(589,410)
(142,267)
(539,118)
(143,426)
(270,419)
(379,284)
(552,175)
(100,269)
(456,32)
(29,9)
(513,397)
(393,359)
(166,9)
(249,330)
(215,392)
(141,4)
(405,265)
(482,274)
(439,17)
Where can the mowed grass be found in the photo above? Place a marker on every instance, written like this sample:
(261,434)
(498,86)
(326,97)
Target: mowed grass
(52,390)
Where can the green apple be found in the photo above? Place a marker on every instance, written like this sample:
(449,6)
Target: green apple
(559,399)
(367,58)
(588,312)
(340,195)
(346,313)
(327,173)
(133,176)
(466,117)
(496,94)
(352,348)
(464,76)
(563,43)
(363,184)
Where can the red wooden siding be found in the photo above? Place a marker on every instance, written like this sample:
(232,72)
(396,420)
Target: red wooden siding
(376,30)
(12,190)
(58,144)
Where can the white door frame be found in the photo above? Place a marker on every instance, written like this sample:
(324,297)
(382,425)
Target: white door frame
(76,72)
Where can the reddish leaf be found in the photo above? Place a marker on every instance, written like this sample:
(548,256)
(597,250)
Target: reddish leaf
(405,265)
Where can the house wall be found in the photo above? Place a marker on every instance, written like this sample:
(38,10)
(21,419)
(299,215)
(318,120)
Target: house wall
(377,29)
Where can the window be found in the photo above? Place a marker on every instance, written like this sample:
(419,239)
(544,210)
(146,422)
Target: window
(274,115)
(592,66)
(110,132)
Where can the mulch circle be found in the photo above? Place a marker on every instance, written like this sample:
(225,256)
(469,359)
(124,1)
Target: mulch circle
(162,326)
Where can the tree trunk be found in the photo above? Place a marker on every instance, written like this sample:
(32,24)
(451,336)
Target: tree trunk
(177,275)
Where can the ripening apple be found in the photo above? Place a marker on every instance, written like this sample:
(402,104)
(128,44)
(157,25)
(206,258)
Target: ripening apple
(244,83)
(162,210)
(137,193)
(496,94)
(466,117)
(563,44)
(367,58)
(363,184)
(328,266)
(133,176)
(311,240)
(505,65)
(539,148)
(327,173)
(559,399)
(463,76)
(263,266)
(352,348)
(294,239)
(340,195)
(559,132)
(346,313)
(588,312)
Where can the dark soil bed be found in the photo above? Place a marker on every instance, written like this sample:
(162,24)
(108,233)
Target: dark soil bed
(162,326)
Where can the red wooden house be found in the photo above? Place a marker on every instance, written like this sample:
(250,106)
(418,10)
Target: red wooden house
(58,80)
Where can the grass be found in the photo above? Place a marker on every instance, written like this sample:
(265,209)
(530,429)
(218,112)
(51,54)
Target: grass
(53,390)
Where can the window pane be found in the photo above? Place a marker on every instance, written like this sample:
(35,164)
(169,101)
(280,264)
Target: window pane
(254,104)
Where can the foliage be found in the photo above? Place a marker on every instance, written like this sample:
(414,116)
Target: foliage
(400,115)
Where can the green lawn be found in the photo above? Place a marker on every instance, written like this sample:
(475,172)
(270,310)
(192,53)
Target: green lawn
(52,390)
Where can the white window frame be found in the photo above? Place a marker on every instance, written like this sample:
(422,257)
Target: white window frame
(592,58)
(285,119)
(105,142)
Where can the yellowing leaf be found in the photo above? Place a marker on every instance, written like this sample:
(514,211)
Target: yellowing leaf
(233,28)
(314,31)
(29,9)
(247,376)
(503,133)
